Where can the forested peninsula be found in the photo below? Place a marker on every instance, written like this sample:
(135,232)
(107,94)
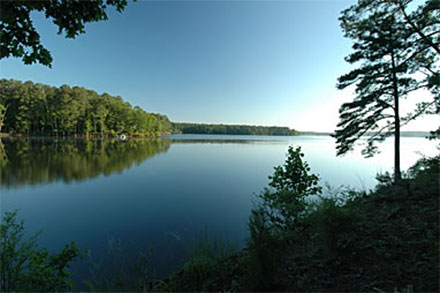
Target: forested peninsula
(199,128)
(37,109)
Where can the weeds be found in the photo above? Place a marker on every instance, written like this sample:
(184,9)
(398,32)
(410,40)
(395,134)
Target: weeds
(114,272)
(209,260)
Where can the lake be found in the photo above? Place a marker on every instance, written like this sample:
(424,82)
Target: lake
(120,198)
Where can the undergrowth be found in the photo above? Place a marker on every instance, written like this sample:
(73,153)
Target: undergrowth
(300,240)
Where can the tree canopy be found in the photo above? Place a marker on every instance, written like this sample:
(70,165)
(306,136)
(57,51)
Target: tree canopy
(35,108)
(394,49)
(19,38)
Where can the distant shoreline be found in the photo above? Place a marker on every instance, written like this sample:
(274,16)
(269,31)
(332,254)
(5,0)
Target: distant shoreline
(232,129)
(79,135)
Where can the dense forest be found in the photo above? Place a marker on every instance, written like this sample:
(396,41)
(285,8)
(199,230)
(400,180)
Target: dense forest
(38,109)
(196,128)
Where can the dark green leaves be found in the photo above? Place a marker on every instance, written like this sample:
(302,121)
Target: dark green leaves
(24,267)
(40,109)
(19,38)
(290,185)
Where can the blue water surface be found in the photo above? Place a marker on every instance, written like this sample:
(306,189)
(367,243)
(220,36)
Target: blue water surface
(121,198)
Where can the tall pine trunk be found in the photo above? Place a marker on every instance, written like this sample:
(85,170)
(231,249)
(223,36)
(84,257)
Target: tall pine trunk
(397,173)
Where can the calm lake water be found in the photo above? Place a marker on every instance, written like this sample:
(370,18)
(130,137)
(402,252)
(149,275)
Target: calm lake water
(120,198)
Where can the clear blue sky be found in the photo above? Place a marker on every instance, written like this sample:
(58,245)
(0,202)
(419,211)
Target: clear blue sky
(247,62)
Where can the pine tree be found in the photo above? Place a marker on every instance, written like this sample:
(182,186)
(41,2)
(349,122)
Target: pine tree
(388,48)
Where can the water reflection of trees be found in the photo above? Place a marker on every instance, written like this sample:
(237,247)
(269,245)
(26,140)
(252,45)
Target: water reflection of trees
(42,160)
(224,141)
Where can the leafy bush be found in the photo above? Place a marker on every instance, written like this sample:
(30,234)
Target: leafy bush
(263,245)
(281,210)
(23,267)
(285,202)
(333,227)
(426,172)
(425,166)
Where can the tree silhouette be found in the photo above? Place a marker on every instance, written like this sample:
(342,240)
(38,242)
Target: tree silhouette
(19,38)
(391,52)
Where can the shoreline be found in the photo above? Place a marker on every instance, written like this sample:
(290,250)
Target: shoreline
(4,134)
(80,135)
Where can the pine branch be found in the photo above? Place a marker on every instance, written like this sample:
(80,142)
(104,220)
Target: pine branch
(417,29)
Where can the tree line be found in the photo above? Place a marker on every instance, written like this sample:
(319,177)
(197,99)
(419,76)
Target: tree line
(198,128)
(38,109)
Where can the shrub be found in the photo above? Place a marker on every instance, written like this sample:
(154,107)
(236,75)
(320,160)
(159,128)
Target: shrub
(285,202)
(279,212)
(333,227)
(23,267)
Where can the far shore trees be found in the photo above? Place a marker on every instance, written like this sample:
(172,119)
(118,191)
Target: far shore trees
(38,109)
(20,39)
(398,56)
(200,128)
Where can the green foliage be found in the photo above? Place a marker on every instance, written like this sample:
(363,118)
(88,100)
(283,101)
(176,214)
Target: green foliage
(43,110)
(425,167)
(204,246)
(264,245)
(294,176)
(290,185)
(196,128)
(19,37)
(426,172)
(346,240)
(384,180)
(333,226)
(203,262)
(210,266)
(281,210)
(3,110)
(24,267)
